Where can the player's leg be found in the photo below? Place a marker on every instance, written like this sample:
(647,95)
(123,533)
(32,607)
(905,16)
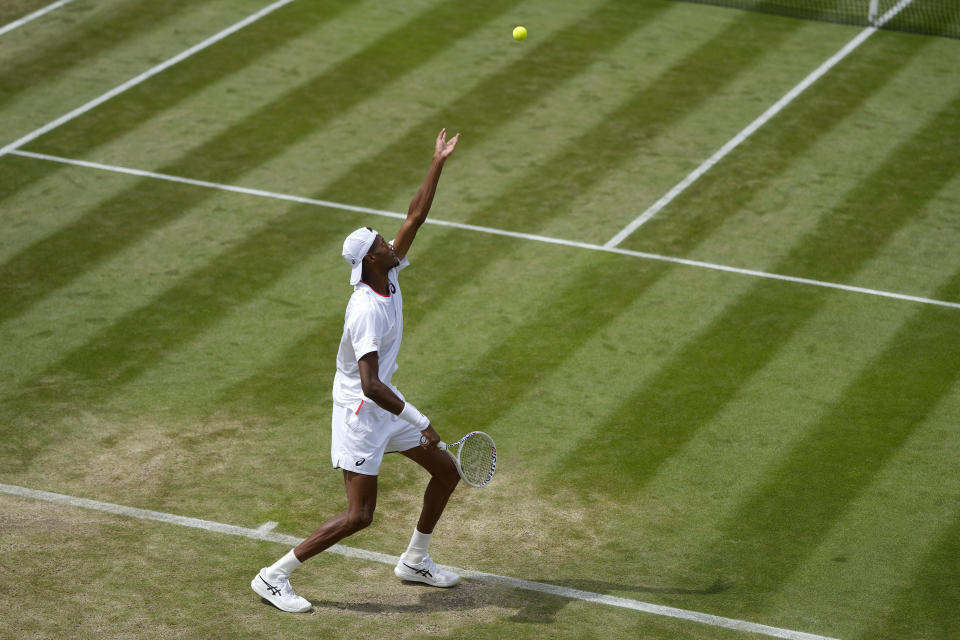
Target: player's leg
(361,502)
(443,481)
(357,441)
(415,563)
(357,446)
(273,582)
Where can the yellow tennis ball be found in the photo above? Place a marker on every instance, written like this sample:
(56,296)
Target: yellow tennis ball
(519,33)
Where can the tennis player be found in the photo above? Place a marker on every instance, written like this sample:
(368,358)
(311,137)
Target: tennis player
(370,415)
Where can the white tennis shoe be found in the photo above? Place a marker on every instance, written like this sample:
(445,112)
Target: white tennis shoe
(279,593)
(425,571)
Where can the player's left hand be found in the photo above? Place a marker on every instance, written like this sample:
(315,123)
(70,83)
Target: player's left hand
(445,147)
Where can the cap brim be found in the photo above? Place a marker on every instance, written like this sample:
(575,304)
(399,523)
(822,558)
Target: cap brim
(356,272)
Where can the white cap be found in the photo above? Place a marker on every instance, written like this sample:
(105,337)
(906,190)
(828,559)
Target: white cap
(355,247)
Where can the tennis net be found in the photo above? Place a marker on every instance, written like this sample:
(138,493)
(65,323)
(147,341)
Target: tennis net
(934,17)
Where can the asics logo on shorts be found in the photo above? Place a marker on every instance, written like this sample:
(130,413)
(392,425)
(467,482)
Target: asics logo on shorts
(360,462)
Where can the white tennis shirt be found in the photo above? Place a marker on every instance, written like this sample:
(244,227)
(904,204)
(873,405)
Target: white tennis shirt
(372,322)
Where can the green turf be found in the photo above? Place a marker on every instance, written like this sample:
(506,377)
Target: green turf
(763,450)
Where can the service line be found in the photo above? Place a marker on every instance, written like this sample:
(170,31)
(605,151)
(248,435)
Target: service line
(479,229)
(149,73)
(264,533)
(734,142)
(33,16)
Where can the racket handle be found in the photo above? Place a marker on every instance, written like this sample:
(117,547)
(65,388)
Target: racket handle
(440,445)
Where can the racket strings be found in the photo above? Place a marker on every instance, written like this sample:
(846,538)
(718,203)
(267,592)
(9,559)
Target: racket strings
(477,460)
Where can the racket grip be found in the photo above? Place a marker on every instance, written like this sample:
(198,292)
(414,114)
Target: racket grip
(440,445)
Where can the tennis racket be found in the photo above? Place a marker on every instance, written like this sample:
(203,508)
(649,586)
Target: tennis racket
(476,457)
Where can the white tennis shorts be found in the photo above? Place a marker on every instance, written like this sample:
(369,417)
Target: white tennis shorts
(361,437)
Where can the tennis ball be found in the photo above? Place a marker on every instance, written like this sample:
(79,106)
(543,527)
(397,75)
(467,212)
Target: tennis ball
(519,33)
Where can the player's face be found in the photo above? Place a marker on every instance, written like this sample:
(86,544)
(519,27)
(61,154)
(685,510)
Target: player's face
(381,250)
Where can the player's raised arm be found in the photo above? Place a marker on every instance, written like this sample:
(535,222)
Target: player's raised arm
(420,205)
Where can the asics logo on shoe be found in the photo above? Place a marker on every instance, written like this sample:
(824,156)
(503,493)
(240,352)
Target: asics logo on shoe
(360,462)
(274,590)
(419,572)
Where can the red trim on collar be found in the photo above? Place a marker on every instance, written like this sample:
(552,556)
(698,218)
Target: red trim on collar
(374,290)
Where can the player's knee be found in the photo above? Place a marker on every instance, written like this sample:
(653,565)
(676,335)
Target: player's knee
(357,520)
(453,481)
(449,477)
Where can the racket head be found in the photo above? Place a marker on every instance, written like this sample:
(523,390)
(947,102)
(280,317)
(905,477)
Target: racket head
(476,458)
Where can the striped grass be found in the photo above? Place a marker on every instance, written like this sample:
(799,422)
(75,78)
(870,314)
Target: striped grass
(687,437)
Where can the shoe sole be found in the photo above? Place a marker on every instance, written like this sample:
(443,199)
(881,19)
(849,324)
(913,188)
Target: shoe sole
(256,585)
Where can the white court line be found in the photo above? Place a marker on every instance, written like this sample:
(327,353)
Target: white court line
(489,230)
(96,102)
(32,16)
(352,552)
(734,142)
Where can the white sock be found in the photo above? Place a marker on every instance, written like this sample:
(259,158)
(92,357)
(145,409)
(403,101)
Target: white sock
(418,547)
(283,566)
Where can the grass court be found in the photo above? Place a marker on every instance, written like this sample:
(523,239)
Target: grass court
(747,408)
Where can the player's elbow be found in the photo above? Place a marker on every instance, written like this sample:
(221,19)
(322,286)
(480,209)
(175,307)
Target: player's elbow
(372,388)
(369,389)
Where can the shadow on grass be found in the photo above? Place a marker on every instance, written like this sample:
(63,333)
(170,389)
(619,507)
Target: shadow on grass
(717,586)
(533,608)
(466,596)
(544,610)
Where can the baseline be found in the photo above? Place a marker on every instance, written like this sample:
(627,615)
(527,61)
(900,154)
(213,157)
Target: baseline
(734,142)
(33,16)
(264,533)
(488,230)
